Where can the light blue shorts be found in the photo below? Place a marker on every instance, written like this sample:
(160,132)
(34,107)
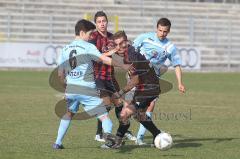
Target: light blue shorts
(92,105)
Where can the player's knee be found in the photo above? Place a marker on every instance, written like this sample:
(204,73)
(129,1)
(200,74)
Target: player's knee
(124,117)
(117,102)
(106,100)
(68,115)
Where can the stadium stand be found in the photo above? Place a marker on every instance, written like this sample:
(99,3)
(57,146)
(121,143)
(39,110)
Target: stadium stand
(212,27)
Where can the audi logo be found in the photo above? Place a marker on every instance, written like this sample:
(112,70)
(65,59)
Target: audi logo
(189,56)
(50,54)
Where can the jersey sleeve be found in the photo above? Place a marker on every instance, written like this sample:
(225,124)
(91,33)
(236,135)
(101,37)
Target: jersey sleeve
(174,56)
(137,43)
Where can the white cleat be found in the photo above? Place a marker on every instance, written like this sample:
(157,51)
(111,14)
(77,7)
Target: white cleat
(99,138)
(130,136)
(140,142)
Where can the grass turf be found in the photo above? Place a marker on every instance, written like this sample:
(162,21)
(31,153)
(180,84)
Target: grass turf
(204,122)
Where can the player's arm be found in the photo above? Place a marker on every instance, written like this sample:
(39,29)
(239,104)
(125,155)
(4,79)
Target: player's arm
(61,76)
(111,52)
(134,80)
(61,71)
(178,72)
(109,61)
(138,41)
(176,62)
(97,56)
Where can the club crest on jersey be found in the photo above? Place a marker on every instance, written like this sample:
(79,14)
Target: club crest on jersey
(154,54)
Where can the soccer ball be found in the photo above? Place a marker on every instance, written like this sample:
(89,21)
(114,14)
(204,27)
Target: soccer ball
(163,141)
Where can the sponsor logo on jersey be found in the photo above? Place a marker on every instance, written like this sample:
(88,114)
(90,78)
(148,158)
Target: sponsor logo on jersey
(75,74)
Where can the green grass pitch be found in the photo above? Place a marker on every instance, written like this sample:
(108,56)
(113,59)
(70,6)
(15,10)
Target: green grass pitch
(204,122)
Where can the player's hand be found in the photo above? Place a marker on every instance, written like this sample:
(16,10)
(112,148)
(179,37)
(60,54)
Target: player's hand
(111,52)
(131,69)
(126,67)
(118,95)
(181,88)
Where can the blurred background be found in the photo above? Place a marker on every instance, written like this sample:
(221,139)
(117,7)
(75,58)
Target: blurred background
(206,32)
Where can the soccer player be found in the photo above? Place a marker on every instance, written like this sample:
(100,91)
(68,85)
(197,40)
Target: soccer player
(147,89)
(76,74)
(157,48)
(104,74)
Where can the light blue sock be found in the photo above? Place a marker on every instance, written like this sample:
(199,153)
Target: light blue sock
(142,129)
(107,124)
(63,127)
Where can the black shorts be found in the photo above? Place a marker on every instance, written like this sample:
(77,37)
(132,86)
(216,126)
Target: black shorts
(107,87)
(141,96)
(144,103)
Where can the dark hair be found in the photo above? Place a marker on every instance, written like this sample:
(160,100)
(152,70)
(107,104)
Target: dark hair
(84,25)
(164,22)
(100,14)
(118,35)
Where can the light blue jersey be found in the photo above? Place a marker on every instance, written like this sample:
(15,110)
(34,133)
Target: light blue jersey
(155,50)
(76,59)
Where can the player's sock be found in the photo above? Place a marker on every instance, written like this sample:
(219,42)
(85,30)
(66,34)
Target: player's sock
(142,129)
(63,127)
(150,126)
(118,110)
(99,127)
(106,123)
(122,129)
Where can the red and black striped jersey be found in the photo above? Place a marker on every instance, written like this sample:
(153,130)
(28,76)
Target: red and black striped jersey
(101,70)
(148,80)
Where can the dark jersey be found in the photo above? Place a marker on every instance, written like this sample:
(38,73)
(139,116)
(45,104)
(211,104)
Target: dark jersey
(101,70)
(148,85)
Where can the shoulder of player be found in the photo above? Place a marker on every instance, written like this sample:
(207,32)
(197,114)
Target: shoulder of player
(94,34)
(134,54)
(109,35)
(150,36)
(169,45)
(147,35)
(83,45)
(89,46)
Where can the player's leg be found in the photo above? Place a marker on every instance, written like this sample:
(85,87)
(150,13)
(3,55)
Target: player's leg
(73,106)
(99,133)
(118,110)
(145,120)
(104,94)
(95,106)
(124,124)
(142,129)
(114,87)
(141,117)
(128,98)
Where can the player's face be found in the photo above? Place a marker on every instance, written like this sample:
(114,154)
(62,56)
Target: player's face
(101,24)
(162,32)
(86,35)
(121,45)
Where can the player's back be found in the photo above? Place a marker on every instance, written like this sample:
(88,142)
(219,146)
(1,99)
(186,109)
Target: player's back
(76,60)
(148,85)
